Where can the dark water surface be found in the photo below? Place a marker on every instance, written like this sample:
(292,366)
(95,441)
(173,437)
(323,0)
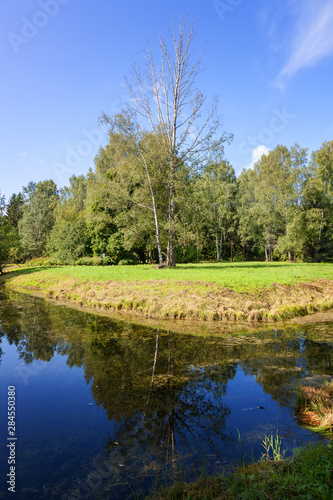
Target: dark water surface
(110,410)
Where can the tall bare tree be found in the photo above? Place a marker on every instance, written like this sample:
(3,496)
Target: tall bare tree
(166,98)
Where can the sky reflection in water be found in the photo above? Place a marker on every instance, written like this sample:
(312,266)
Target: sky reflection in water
(108,409)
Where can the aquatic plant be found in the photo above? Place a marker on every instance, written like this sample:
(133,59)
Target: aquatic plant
(273,445)
(315,407)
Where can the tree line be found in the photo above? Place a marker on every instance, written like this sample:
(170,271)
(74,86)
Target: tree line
(162,191)
(281,209)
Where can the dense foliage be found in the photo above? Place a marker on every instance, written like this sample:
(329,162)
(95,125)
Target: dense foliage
(162,190)
(281,209)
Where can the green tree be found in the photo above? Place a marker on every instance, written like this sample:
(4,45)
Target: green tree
(124,192)
(216,189)
(72,199)
(319,201)
(69,238)
(8,242)
(268,180)
(14,209)
(292,207)
(38,217)
(68,241)
(173,110)
(250,231)
(275,196)
(2,205)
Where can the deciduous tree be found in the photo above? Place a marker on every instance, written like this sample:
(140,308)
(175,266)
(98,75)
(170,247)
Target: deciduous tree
(171,107)
(38,217)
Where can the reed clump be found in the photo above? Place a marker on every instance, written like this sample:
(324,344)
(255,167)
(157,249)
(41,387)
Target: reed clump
(315,407)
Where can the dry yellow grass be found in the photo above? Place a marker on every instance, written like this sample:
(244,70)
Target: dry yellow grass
(191,300)
(315,407)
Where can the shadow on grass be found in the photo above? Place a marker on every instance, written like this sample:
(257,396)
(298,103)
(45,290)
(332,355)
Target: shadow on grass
(226,265)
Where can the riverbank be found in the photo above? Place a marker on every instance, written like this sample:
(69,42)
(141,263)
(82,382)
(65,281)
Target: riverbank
(227,292)
(272,360)
(315,407)
(307,475)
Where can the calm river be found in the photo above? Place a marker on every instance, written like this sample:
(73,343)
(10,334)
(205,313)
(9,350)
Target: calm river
(110,410)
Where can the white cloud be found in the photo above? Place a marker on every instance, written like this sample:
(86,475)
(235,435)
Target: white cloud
(257,154)
(313,36)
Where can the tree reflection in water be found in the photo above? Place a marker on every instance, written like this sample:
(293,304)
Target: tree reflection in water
(181,418)
(165,392)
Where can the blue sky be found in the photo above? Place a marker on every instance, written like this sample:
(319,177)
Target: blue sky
(64,62)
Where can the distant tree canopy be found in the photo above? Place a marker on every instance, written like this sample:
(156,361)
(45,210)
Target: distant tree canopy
(281,209)
(34,227)
(14,209)
(9,240)
(162,191)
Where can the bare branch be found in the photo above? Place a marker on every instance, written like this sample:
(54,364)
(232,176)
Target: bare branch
(173,108)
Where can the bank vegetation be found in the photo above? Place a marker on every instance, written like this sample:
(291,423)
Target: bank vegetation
(242,293)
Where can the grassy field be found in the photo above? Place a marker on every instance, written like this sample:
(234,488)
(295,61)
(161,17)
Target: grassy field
(224,291)
(239,276)
(245,291)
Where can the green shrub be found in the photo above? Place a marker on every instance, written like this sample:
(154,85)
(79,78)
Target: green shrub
(68,242)
(186,254)
(39,262)
(108,261)
(89,261)
(127,262)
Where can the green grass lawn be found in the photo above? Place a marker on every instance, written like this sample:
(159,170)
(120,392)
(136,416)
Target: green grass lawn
(239,276)
(244,291)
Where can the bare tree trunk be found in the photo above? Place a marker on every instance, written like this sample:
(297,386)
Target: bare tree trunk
(171,248)
(322,213)
(216,236)
(321,225)
(270,249)
(221,239)
(158,241)
(159,248)
(217,245)
(167,99)
(152,195)
(171,251)
(220,249)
